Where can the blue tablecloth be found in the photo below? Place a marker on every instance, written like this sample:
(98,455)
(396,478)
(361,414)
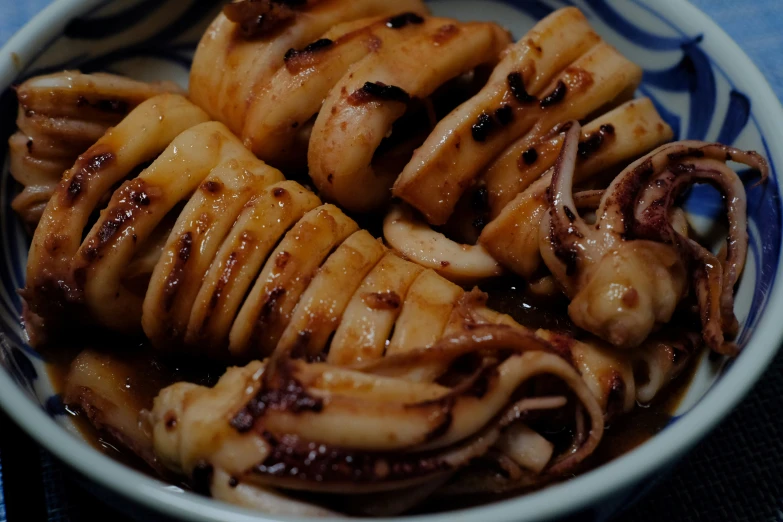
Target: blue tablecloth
(735,474)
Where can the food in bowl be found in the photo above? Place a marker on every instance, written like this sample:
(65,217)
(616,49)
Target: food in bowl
(368,368)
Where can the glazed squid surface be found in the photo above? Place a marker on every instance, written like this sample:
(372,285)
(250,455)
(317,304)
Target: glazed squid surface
(510,237)
(237,58)
(369,374)
(628,272)
(360,110)
(619,136)
(560,68)
(211,250)
(384,425)
(279,126)
(60,116)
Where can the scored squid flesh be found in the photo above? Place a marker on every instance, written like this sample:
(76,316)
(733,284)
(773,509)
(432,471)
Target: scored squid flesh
(360,110)
(60,116)
(232,69)
(560,68)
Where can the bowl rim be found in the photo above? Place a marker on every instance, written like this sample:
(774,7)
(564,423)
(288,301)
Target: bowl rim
(579,492)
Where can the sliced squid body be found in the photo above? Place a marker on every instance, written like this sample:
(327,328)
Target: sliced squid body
(372,312)
(601,77)
(450,159)
(200,231)
(137,208)
(361,109)
(276,126)
(414,239)
(617,137)
(260,226)
(60,116)
(139,138)
(209,250)
(322,305)
(286,275)
(231,72)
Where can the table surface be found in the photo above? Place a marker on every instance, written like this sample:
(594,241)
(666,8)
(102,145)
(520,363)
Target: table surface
(735,474)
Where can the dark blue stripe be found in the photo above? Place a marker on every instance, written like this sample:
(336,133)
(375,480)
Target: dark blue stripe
(632,32)
(107,26)
(737,116)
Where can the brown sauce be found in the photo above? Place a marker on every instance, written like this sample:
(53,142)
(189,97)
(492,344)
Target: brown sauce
(506,295)
(144,373)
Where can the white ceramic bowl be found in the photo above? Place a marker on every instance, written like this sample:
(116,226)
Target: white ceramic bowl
(702,83)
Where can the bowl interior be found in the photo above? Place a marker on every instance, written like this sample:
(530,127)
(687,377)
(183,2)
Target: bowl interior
(698,91)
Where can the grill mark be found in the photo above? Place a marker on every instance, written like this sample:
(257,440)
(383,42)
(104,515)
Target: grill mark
(404,19)
(318,463)
(388,300)
(516,84)
(268,309)
(445,33)
(131,200)
(104,105)
(378,91)
(595,141)
(86,167)
(255,18)
(225,278)
(282,259)
(556,96)
(213,187)
(318,45)
(505,115)
(530,156)
(175,277)
(483,127)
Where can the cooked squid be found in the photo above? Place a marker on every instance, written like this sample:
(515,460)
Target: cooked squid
(112,391)
(561,67)
(511,238)
(415,240)
(407,433)
(383,426)
(359,112)
(619,136)
(52,281)
(237,58)
(248,264)
(627,273)
(278,127)
(372,375)
(60,116)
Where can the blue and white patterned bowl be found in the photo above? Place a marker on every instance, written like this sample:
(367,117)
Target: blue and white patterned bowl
(701,82)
